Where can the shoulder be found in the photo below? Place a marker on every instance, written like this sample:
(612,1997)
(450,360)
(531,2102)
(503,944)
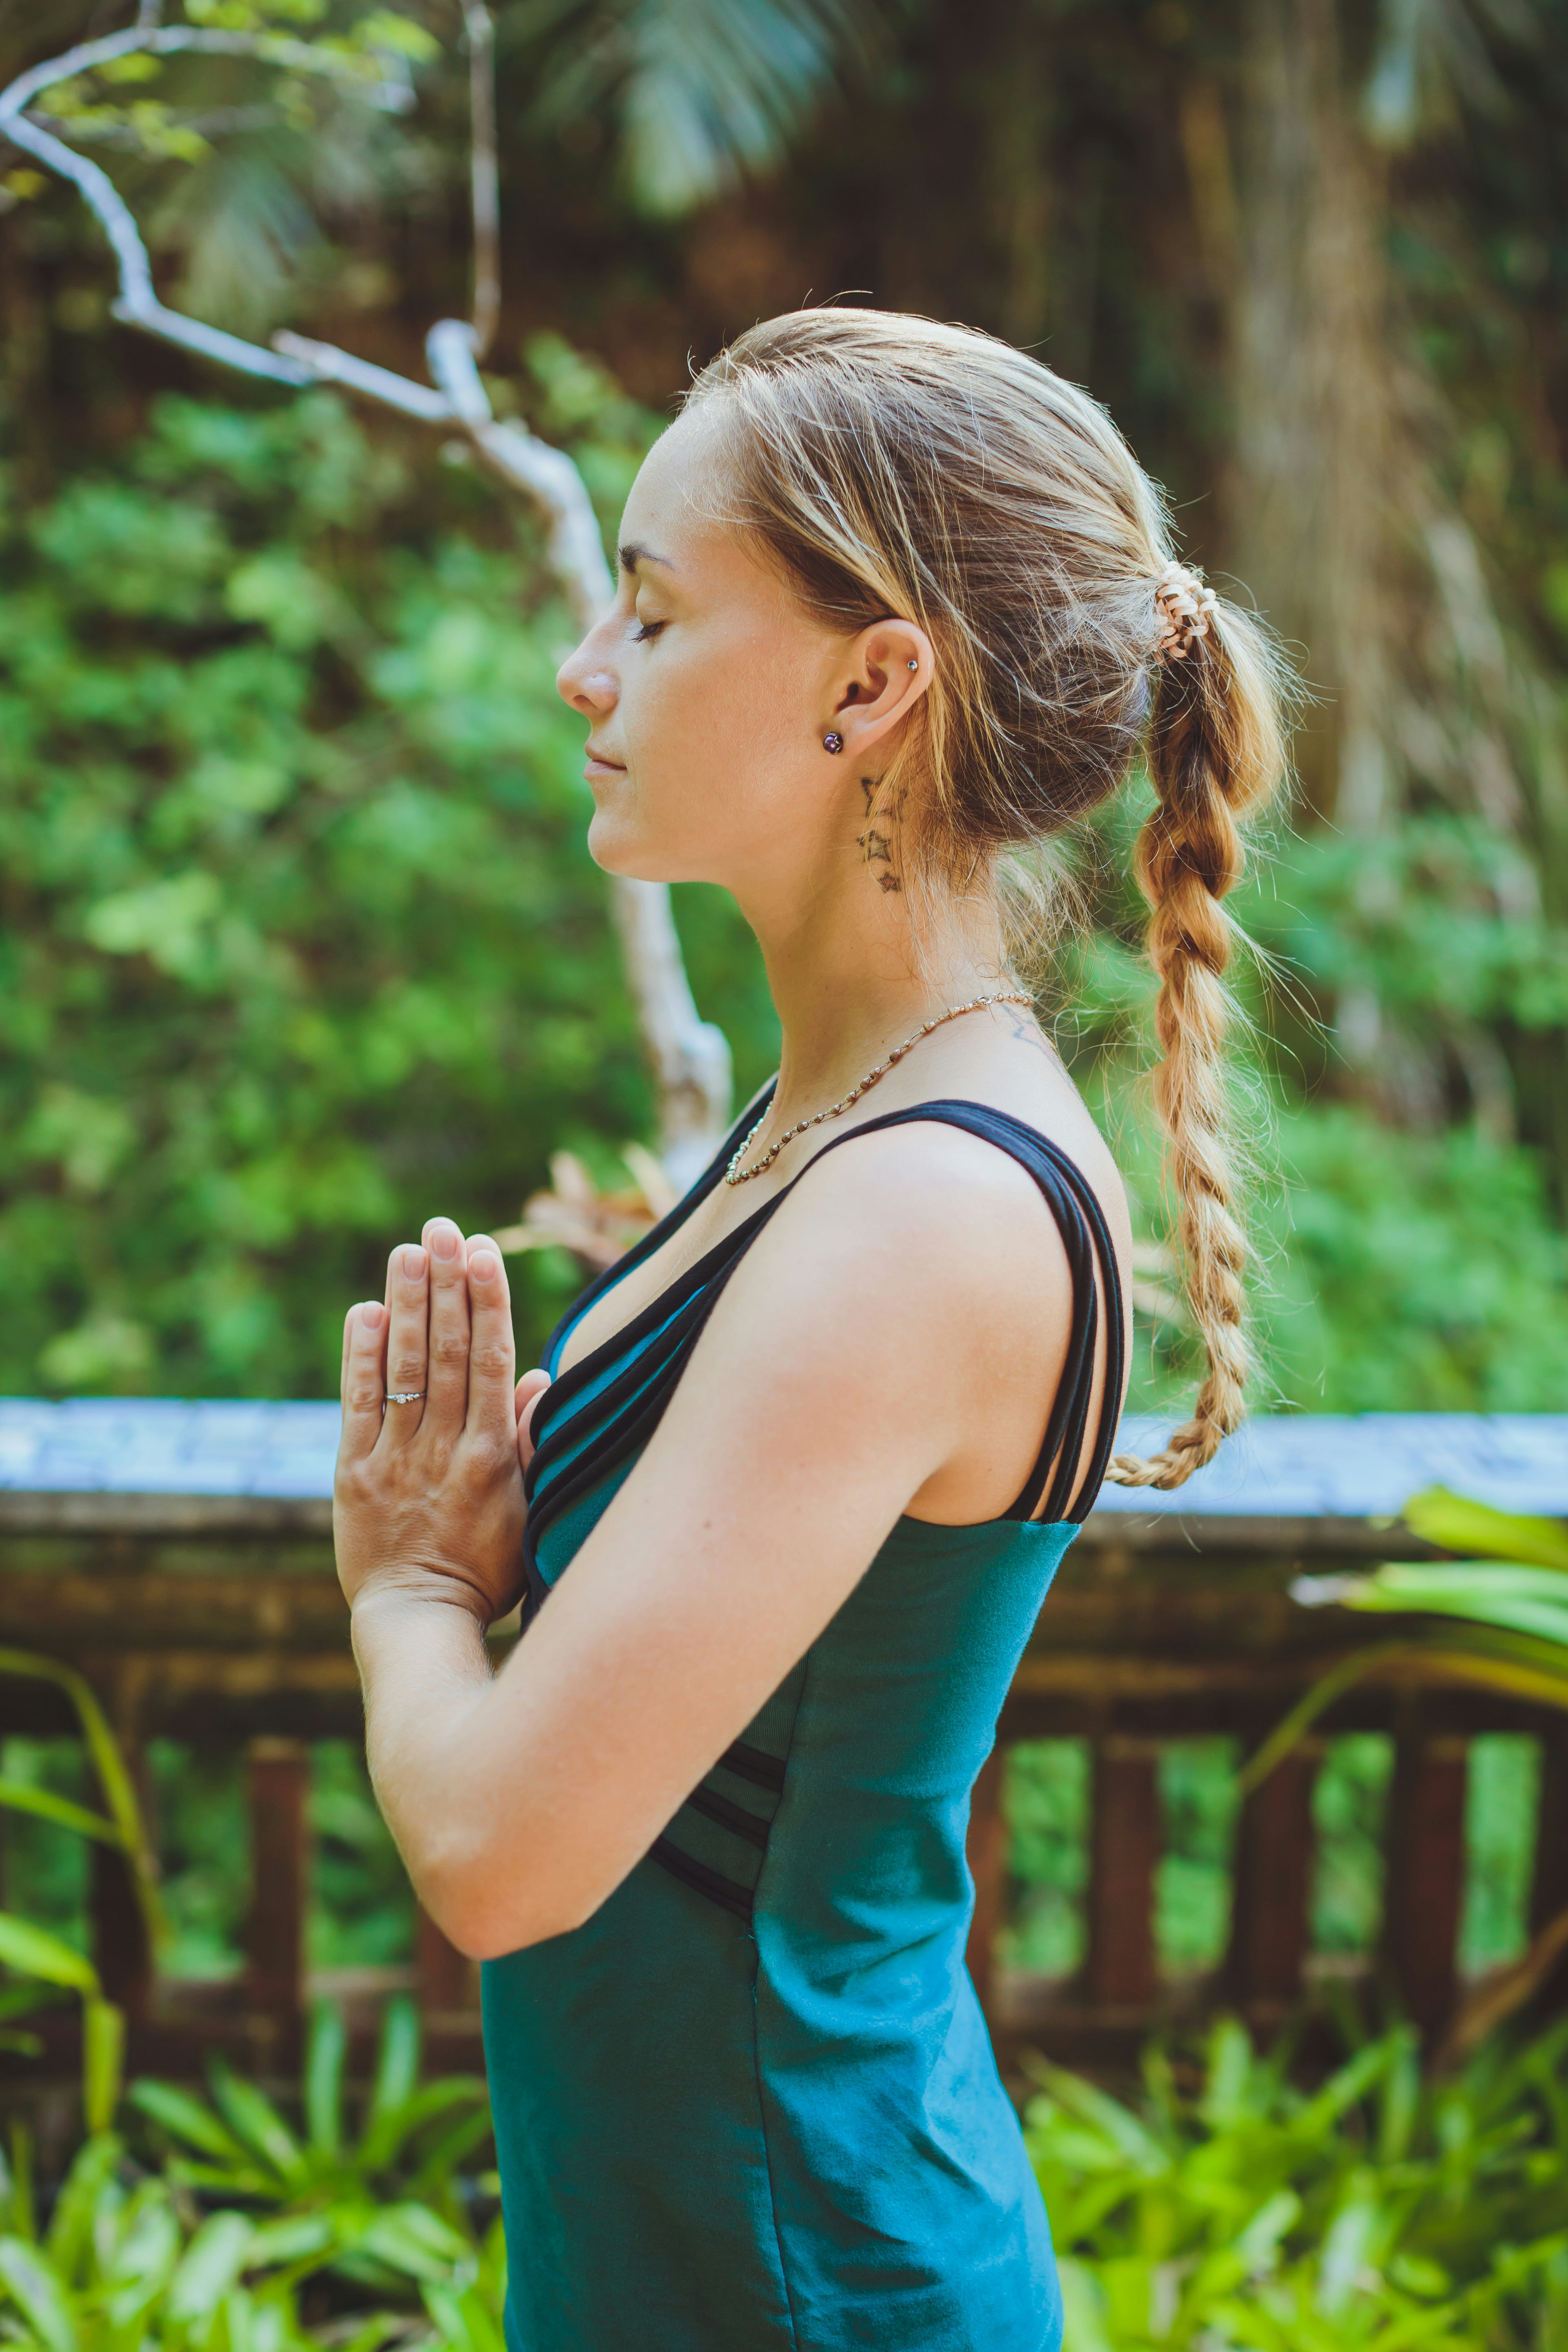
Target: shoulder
(911,1235)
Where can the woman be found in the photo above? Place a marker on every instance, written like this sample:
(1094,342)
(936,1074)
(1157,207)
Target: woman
(894,603)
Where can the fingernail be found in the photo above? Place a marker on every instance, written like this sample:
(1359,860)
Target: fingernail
(443,1241)
(372,1314)
(413,1262)
(484,1267)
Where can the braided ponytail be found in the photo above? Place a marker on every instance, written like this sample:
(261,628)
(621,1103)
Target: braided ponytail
(1215,753)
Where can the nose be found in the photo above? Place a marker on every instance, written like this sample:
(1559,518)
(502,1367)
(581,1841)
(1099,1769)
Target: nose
(585,678)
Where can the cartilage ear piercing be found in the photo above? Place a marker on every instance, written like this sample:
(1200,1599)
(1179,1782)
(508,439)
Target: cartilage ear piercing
(833,740)
(914,664)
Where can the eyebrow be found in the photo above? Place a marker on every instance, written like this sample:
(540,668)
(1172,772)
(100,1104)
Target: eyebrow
(632,555)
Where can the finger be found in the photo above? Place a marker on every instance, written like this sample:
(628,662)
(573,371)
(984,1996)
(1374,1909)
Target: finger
(407,1340)
(529,1389)
(363,1382)
(343,1371)
(492,1352)
(447,1374)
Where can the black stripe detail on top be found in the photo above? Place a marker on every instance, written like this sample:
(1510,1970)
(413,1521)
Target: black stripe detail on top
(754,1764)
(719,1890)
(615,1424)
(734,1818)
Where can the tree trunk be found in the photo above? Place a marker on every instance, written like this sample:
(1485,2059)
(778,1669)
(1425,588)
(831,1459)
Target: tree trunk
(1306,497)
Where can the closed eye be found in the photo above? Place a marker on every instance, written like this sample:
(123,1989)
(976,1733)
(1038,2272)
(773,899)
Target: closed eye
(646,629)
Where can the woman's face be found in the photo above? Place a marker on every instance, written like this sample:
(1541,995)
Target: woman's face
(707,689)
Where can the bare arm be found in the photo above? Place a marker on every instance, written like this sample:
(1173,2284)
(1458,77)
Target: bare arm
(848,1369)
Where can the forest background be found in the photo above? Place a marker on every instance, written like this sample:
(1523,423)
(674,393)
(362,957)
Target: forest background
(299,942)
(299,939)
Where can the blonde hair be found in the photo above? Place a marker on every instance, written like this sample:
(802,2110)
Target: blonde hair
(890,464)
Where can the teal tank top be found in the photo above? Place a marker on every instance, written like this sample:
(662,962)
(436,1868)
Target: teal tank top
(751,2106)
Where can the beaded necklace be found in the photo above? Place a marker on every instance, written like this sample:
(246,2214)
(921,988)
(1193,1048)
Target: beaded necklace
(736,1174)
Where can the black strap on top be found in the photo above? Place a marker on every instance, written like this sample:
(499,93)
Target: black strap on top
(579,1448)
(1091,1259)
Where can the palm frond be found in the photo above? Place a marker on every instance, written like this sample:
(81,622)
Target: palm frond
(701,91)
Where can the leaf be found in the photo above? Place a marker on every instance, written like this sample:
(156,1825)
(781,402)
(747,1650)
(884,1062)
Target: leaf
(38,2295)
(1462,1525)
(412,2239)
(449,2151)
(186,2117)
(70,2224)
(324,2078)
(1119,2125)
(1083,2308)
(252,2115)
(1489,1658)
(143,2263)
(465,2323)
(1275,2218)
(102,2061)
(387,2137)
(211,2265)
(1527,1600)
(294,2239)
(23,2218)
(21,2000)
(397,2065)
(33,1952)
(23,1799)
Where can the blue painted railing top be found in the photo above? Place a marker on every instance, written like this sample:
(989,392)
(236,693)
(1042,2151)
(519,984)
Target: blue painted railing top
(1282,1466)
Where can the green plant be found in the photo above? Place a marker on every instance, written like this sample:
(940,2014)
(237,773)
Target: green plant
(1497,1618)
(1509,1600)
(1232,2208)
(401,2161)
(129,2262)
(41,1962)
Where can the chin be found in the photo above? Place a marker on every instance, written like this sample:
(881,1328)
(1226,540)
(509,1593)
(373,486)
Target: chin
(618,847)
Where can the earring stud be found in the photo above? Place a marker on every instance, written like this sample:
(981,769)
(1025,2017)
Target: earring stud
(914,664)
(833,740)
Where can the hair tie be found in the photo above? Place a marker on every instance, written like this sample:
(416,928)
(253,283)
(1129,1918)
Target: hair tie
(1182,608)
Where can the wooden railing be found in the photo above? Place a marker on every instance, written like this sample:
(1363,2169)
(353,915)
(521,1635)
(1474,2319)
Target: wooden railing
(218,1622)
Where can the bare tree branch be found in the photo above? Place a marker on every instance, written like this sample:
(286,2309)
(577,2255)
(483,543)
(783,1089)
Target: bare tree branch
(138,305)
(325,363)
(548,474)
(690,1056)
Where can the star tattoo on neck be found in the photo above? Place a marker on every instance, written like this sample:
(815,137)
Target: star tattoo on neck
(877,849)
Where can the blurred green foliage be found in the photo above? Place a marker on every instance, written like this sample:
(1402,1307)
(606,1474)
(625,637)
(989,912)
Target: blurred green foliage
(245,2235)
(1227,2208)
(1231,2207)
(300,943)
(300,940)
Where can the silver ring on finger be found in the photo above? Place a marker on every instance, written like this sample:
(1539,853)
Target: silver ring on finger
(403,1396)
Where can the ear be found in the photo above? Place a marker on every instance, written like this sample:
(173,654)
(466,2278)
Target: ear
(886,671)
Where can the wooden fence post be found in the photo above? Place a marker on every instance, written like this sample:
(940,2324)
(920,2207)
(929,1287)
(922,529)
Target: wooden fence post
(987,1852)
(1124,1853)
(1269,1924)
(1424,1888)
(441,1972)
(278,1782)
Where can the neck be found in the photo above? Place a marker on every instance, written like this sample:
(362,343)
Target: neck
(850,981)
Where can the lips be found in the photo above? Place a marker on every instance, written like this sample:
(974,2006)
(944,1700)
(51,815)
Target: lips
(597,759)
